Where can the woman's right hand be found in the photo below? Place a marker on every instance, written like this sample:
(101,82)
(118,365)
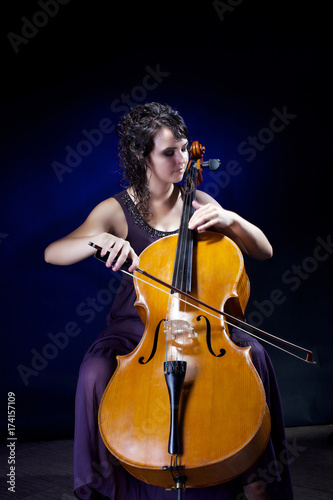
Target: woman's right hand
(119,250)
(103,223)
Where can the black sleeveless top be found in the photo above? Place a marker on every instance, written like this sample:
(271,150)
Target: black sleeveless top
(140,233)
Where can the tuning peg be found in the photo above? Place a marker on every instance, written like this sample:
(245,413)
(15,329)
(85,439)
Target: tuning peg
(212,164)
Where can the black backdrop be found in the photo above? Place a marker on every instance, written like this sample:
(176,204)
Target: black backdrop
(252,80)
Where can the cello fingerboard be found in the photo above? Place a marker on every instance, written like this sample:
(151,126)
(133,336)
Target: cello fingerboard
(182,272)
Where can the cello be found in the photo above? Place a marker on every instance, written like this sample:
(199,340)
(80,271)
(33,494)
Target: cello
(187,408)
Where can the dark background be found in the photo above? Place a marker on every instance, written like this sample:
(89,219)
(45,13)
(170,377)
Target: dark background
(228,71)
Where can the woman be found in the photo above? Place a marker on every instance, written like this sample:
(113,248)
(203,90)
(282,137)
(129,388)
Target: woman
(153,155)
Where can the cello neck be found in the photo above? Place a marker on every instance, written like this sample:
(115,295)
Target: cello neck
(182,273)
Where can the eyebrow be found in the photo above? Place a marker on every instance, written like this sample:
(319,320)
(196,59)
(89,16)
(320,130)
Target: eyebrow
(175,147)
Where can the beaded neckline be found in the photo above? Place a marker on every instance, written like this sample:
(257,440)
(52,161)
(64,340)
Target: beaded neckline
(139,220)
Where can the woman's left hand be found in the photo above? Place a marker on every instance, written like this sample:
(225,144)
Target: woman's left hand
(249,238)
(208,215)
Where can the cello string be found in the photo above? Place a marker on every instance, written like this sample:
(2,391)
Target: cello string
(187,263)
(183,264)
(218,317)
(177,276)
(180,280)
(191,182)
(183,261)
(168,315)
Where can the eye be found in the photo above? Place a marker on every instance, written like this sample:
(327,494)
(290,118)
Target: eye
(168,153)
(171,152)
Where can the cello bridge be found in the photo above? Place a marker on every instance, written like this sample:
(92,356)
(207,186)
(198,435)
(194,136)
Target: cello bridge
(178,329)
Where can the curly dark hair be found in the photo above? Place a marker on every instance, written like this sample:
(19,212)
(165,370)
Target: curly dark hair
(136,133)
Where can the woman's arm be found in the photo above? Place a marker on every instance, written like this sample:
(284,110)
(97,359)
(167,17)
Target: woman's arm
(210,215)
(105,226)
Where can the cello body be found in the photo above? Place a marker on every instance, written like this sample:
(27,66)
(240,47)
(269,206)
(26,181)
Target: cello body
(223,419)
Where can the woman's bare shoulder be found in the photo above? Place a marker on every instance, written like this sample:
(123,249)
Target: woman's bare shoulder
(111,213)
(204,198)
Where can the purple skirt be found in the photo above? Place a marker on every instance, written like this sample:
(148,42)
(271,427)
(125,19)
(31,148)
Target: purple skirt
(98,475)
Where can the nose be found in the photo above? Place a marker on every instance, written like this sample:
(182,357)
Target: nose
(181,157)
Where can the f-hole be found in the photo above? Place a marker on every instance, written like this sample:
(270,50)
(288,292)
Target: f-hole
(152,354)
(208,338)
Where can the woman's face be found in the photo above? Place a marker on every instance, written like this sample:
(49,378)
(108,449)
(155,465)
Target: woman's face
(168,160)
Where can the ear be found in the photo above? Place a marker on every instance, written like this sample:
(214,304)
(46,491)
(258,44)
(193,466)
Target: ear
(147,163)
